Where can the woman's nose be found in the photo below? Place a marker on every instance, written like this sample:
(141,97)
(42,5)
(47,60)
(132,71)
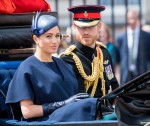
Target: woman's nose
(55,39)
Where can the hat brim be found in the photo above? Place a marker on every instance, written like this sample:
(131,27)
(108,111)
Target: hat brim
(86,24)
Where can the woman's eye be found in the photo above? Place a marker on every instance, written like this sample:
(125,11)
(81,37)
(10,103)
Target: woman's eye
(49,36)
(59,36)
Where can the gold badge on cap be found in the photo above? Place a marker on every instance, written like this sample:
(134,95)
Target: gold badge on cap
(85,13)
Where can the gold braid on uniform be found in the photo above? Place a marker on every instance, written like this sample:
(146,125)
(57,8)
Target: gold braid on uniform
(97,70)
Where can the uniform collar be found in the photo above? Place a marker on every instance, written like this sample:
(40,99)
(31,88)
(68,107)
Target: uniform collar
(86,51)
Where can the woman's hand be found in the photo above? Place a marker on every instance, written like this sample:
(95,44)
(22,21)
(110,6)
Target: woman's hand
(77,97)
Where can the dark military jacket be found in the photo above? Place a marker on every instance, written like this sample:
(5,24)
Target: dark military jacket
(86,55)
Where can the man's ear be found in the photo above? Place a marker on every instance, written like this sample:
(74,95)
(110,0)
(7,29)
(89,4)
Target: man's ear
(74,26)
(99,26)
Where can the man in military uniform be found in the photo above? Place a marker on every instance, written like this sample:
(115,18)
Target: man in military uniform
(89,58)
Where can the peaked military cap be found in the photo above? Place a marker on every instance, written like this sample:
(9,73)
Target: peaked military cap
(86,15)
(42,23)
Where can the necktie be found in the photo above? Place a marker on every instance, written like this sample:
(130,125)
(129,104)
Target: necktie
(133,49)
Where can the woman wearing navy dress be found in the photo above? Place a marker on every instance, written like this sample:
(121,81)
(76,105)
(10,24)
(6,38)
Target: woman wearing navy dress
(45,87)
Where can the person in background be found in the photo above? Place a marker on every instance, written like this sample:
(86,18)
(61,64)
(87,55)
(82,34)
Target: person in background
(146,27)
(71,35)
(105,38)
(89,58)
(44,88)
(63,45)
(134,46)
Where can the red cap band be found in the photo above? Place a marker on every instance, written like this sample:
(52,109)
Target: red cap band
(87,15)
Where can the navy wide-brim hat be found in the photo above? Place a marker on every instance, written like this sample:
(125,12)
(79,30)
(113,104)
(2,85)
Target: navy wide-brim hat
(86,15)
(42,23)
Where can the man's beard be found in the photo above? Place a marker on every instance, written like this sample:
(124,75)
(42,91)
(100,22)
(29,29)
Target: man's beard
(82,41)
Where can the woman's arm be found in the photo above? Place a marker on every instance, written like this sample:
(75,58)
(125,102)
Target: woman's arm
(30,110)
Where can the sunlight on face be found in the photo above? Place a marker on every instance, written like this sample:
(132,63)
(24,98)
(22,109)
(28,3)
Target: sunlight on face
(87,35)
(50,40)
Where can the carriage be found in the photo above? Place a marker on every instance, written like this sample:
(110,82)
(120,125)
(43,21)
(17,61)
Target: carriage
(16,44)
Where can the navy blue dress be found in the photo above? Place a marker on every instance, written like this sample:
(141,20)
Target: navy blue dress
(47,82)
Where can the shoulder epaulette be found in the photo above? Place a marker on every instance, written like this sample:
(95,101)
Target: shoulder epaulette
(69,50)
(100,44)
